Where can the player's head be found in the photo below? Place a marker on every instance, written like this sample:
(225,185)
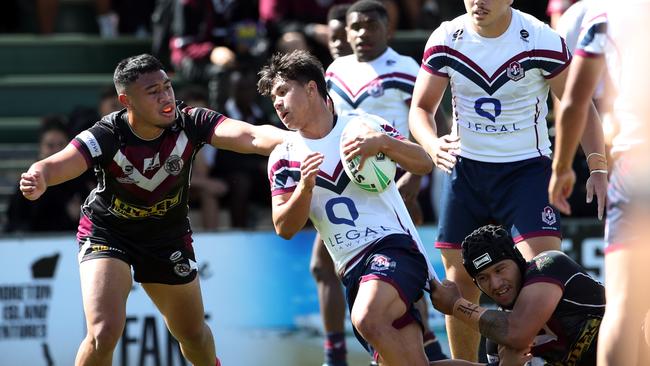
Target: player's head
(489,13)
(494,263)
(367,29)
(145,90)
(337,41)
(295,82)
(53,137)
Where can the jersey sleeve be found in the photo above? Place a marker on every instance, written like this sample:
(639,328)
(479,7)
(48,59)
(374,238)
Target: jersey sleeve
(202,123)
(593,36)
(551,267)
(436,56)
(284,173)
(551,53)
(97,144)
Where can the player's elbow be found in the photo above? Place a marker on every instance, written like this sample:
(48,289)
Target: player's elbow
(518,340)
(284,232)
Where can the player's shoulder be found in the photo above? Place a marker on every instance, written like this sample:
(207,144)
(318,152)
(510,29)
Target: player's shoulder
(342,62)
(448,31)
(537,30)
(552,262)
(405,62)
(287,147)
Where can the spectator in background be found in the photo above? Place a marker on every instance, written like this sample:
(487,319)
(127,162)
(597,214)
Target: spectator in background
(114,17)
(211,37)
(205,190)
(245,174)
(58,209)
(337,37)
(299,25)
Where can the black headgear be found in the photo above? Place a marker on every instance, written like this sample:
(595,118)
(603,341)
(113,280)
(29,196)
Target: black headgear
(487,246)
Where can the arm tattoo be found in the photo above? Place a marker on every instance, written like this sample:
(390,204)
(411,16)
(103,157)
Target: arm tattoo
(468,310)
(493,324)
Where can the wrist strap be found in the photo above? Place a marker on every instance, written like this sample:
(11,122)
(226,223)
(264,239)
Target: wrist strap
(600,171)
(597,154)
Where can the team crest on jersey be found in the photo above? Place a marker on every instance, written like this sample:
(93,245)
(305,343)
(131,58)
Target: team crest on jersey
(182,269)
(382,263)
(174,164)
(515,72)
(376,89)
(548,216)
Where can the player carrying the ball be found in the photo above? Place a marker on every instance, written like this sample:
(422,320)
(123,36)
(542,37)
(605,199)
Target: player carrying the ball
(369,235)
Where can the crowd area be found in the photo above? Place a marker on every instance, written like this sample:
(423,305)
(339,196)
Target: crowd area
(215,49)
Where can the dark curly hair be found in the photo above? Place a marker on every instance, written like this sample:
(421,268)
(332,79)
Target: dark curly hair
(298,65)
(129,69)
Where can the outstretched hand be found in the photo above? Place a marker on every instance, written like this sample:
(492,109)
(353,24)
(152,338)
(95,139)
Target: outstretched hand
(444,296)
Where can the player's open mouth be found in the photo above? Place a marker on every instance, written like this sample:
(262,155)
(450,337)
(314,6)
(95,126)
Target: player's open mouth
(168,110)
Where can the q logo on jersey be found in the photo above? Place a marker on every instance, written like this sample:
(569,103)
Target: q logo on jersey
(479,109)
(349,205)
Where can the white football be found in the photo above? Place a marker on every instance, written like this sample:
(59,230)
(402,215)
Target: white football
(379,170)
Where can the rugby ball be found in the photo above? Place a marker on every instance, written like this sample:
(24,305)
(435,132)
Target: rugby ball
(379,170)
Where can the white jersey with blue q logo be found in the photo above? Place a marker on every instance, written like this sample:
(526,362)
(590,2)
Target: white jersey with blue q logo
(383,86)
(348,218)
(499,85)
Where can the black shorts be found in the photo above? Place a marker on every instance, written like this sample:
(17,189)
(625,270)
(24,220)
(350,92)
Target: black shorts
(170,263)
(396,260)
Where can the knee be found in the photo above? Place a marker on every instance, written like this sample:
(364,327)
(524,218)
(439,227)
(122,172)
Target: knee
(368,324)
(323,272)
(104,336)
(190,334)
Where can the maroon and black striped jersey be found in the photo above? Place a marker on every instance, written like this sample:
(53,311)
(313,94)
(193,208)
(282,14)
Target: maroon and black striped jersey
(142,185)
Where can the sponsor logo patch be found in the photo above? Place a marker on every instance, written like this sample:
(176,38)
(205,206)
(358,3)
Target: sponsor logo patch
(91,143)
(176,256)
(130,211)
(482,261)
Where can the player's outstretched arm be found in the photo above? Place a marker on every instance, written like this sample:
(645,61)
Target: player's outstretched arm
(427,94)
(243,137)
(290,211)
(577,120)
(66,164)
(517,329)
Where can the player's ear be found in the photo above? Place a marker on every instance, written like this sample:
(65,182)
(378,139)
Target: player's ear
(124,100)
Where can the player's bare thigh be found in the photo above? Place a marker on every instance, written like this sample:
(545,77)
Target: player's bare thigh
(531,247)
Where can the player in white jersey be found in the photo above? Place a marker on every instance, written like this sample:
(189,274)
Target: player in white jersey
(372,241)
(610,40)
(374,79)
(500,63)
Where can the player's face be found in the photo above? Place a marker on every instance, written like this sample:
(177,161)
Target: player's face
(367,34)
(501,282)
(338,43)
(52,142)
(151,99)
(291,103)
(490,18)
